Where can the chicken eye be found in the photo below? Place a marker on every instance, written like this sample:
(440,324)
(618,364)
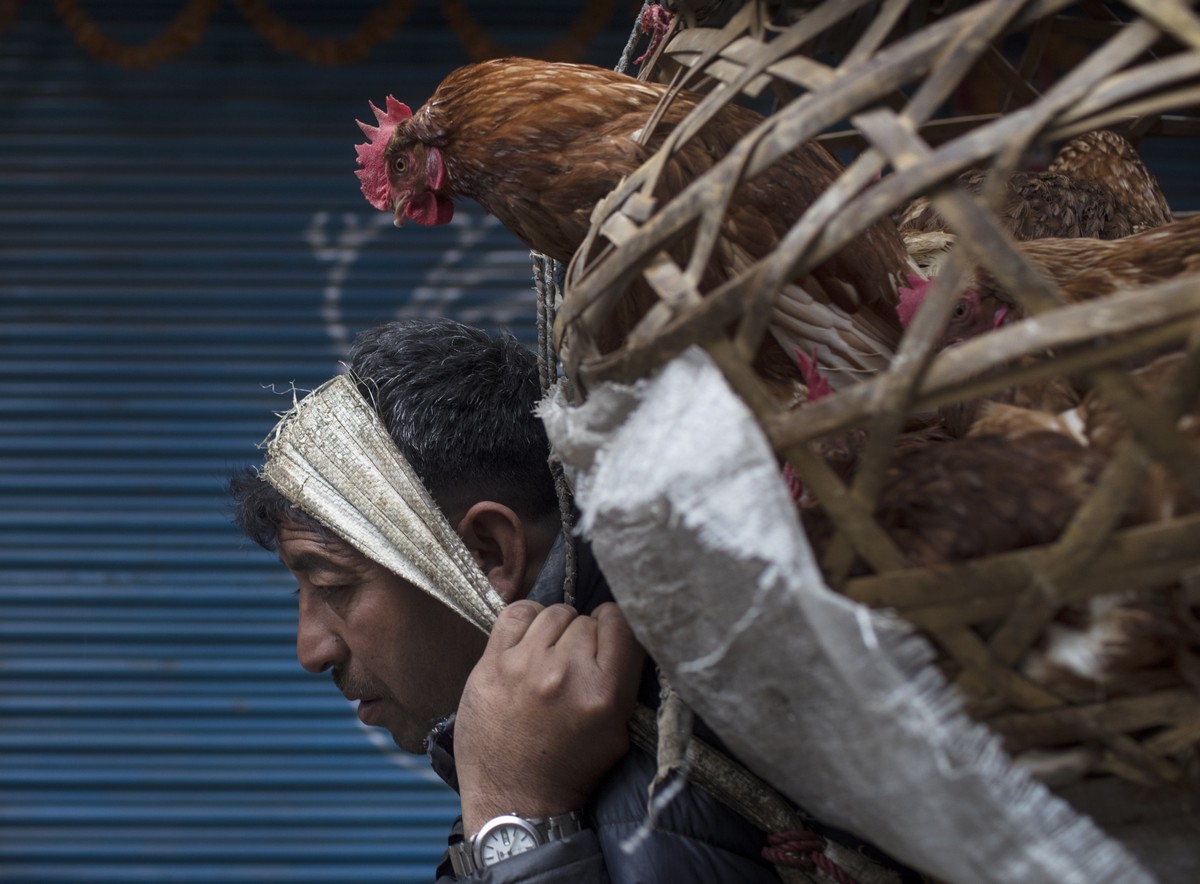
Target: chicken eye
(398,165)
(961,310)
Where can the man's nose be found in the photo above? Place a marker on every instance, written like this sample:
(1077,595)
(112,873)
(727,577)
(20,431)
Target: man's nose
(318,646)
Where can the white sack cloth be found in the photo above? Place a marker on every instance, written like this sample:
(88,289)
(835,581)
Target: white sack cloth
(835,704)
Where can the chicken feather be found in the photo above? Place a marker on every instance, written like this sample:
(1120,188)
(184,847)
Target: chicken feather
(1083,268)
(1096,187)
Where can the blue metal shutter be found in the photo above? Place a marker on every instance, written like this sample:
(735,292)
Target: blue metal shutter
(171,244)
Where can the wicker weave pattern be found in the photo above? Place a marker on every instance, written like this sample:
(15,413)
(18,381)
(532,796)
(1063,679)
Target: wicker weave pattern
(896,69)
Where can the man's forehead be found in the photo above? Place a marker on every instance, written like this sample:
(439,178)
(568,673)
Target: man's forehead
(303,546)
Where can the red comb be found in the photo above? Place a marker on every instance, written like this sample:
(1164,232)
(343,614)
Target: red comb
(794,485)
(911,297)
(818,387)
(373,173)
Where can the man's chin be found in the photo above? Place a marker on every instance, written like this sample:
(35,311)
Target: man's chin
(376,714)
(406,743)
(409,739)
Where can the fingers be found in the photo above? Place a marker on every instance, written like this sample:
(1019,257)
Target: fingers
(618,650)
(512,624)
(553,624)
(535,628)
(604,637)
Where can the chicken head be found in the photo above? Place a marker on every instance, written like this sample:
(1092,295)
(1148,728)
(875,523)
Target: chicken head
(400,174)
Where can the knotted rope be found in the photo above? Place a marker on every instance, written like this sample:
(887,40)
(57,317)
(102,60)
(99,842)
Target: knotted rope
(547,280)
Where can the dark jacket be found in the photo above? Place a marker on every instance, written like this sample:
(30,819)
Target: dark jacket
(695,837)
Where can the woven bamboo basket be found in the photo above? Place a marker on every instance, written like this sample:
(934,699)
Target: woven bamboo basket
(918,93)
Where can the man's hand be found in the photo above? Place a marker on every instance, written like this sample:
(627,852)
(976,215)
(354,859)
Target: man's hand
(545,713)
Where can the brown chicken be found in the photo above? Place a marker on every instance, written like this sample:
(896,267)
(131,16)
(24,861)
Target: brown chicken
(538,144)
(1096,187)
(959,499)
(1016,480)
(1163,496)
(1013,418)
(1083,268)
(842,452)
(1121,644)
(1112,645)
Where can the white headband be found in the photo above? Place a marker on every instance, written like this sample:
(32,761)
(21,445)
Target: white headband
(332,457)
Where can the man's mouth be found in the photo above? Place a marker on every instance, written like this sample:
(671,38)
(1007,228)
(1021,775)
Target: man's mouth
(369,711)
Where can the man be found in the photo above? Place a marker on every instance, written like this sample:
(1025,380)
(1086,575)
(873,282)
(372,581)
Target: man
(543,706)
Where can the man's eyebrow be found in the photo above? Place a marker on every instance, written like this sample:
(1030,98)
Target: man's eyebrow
(306,562)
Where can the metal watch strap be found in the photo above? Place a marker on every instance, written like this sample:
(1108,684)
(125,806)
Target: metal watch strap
(555,828)
(559,827)
(461,859)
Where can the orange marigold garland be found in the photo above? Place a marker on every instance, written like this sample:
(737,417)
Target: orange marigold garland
(481,46)
(184,32)
(377,28)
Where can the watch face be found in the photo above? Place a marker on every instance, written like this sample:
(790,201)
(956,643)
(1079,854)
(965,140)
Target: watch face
(504,840)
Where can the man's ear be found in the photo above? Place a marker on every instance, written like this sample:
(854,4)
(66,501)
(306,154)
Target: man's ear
(495,536)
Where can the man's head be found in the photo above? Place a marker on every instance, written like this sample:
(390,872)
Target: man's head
(458,403)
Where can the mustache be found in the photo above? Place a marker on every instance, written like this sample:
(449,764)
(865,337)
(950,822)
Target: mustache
(356,686)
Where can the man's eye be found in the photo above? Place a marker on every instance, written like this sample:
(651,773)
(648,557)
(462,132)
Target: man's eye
(322,589)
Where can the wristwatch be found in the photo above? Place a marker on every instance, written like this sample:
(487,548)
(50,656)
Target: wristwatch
(507,835)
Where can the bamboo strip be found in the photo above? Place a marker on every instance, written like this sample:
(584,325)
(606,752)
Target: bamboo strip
(954,374)
(1071,724)
(1171,544)
(985,614)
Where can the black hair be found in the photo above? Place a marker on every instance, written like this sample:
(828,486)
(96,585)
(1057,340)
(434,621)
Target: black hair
(259,510)
(458,402)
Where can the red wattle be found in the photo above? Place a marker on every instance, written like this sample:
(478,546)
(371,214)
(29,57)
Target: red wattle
(429,209)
